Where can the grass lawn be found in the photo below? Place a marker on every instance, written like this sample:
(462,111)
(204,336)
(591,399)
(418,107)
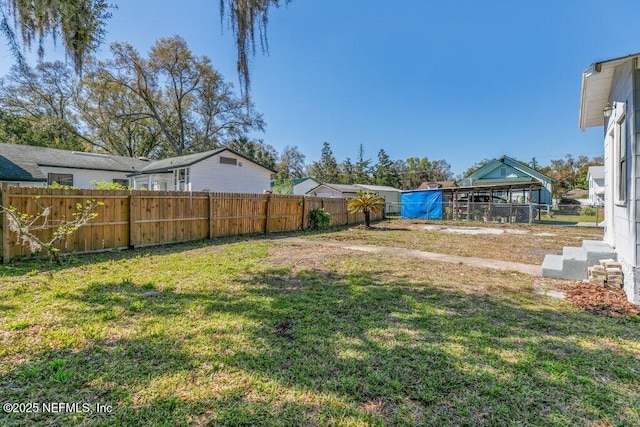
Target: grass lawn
(519,242)
(263,332)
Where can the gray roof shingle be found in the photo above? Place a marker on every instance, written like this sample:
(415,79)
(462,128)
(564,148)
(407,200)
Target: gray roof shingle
(22,162)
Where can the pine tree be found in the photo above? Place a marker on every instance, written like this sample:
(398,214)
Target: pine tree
(362,168)
(326,169)
(384,172)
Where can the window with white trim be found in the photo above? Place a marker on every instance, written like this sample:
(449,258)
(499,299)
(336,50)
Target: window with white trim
(181,177)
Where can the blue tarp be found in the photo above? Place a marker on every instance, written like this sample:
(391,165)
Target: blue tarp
(424,204)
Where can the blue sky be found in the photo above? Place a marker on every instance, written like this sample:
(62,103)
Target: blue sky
(458,81)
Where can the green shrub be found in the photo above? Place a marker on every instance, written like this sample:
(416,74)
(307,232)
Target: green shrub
(56,186)
(319,219)
(106,185)
(568,201)
(589,211)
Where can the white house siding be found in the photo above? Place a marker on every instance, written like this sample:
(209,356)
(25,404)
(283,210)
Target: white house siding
(596,188)
(391,201)
(632,281)
(621,233)
(82,177)
(212,175)
(24,183)
(325,192)
(305,186)
(621,222)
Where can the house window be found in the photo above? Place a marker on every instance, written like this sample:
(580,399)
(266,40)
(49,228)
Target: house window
(182,179)
(228,161)
(123,182)
(620,160)
(60,178)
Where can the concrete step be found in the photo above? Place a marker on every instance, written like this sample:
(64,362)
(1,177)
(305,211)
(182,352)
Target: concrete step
(552,266)
(573,263)
(597,250)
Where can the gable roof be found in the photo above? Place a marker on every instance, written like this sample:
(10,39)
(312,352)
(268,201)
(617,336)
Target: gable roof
(439,184)
(171,163)
(23,162)
(597,81)
(294,181)
(342,188)
(377,187)
(509,161)
(595,172)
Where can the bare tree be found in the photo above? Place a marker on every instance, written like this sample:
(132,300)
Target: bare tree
(26,225)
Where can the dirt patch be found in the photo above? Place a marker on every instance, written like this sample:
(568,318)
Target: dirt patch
(602,301)
(362,227)
(477,230)
(284,328)
(303,257)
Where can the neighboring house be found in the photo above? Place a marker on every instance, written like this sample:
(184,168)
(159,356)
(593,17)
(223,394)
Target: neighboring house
(579,195)
(610,98)
(506,172)
(391,196)
(595,178)
(299,186)
(346,191)
(435,185)
(28,165)
(219,170)
(343,191)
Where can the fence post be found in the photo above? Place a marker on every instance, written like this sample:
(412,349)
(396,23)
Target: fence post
(304,213)
(210,215)
(268,215)
(4,201)
(347,214)
(132,222)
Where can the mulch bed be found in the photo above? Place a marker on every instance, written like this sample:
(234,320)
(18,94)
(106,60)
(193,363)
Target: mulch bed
(602,301)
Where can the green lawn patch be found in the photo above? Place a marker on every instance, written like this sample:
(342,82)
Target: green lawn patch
(259,332)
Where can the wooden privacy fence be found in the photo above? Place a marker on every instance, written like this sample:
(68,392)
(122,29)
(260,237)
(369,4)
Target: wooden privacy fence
(129,219)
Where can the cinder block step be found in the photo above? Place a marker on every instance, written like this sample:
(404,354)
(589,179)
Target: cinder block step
(552,266)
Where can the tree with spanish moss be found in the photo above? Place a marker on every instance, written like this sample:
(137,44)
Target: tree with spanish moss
(79,24)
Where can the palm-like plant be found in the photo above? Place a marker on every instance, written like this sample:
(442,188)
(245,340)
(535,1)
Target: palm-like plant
(366,203)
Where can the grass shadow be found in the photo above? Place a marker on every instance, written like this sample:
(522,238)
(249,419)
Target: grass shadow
(284,346)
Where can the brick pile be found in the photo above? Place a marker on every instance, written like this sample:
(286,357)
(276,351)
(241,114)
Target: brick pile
(607,274)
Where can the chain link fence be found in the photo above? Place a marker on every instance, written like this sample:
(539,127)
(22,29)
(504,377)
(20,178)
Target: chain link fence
(521,213)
